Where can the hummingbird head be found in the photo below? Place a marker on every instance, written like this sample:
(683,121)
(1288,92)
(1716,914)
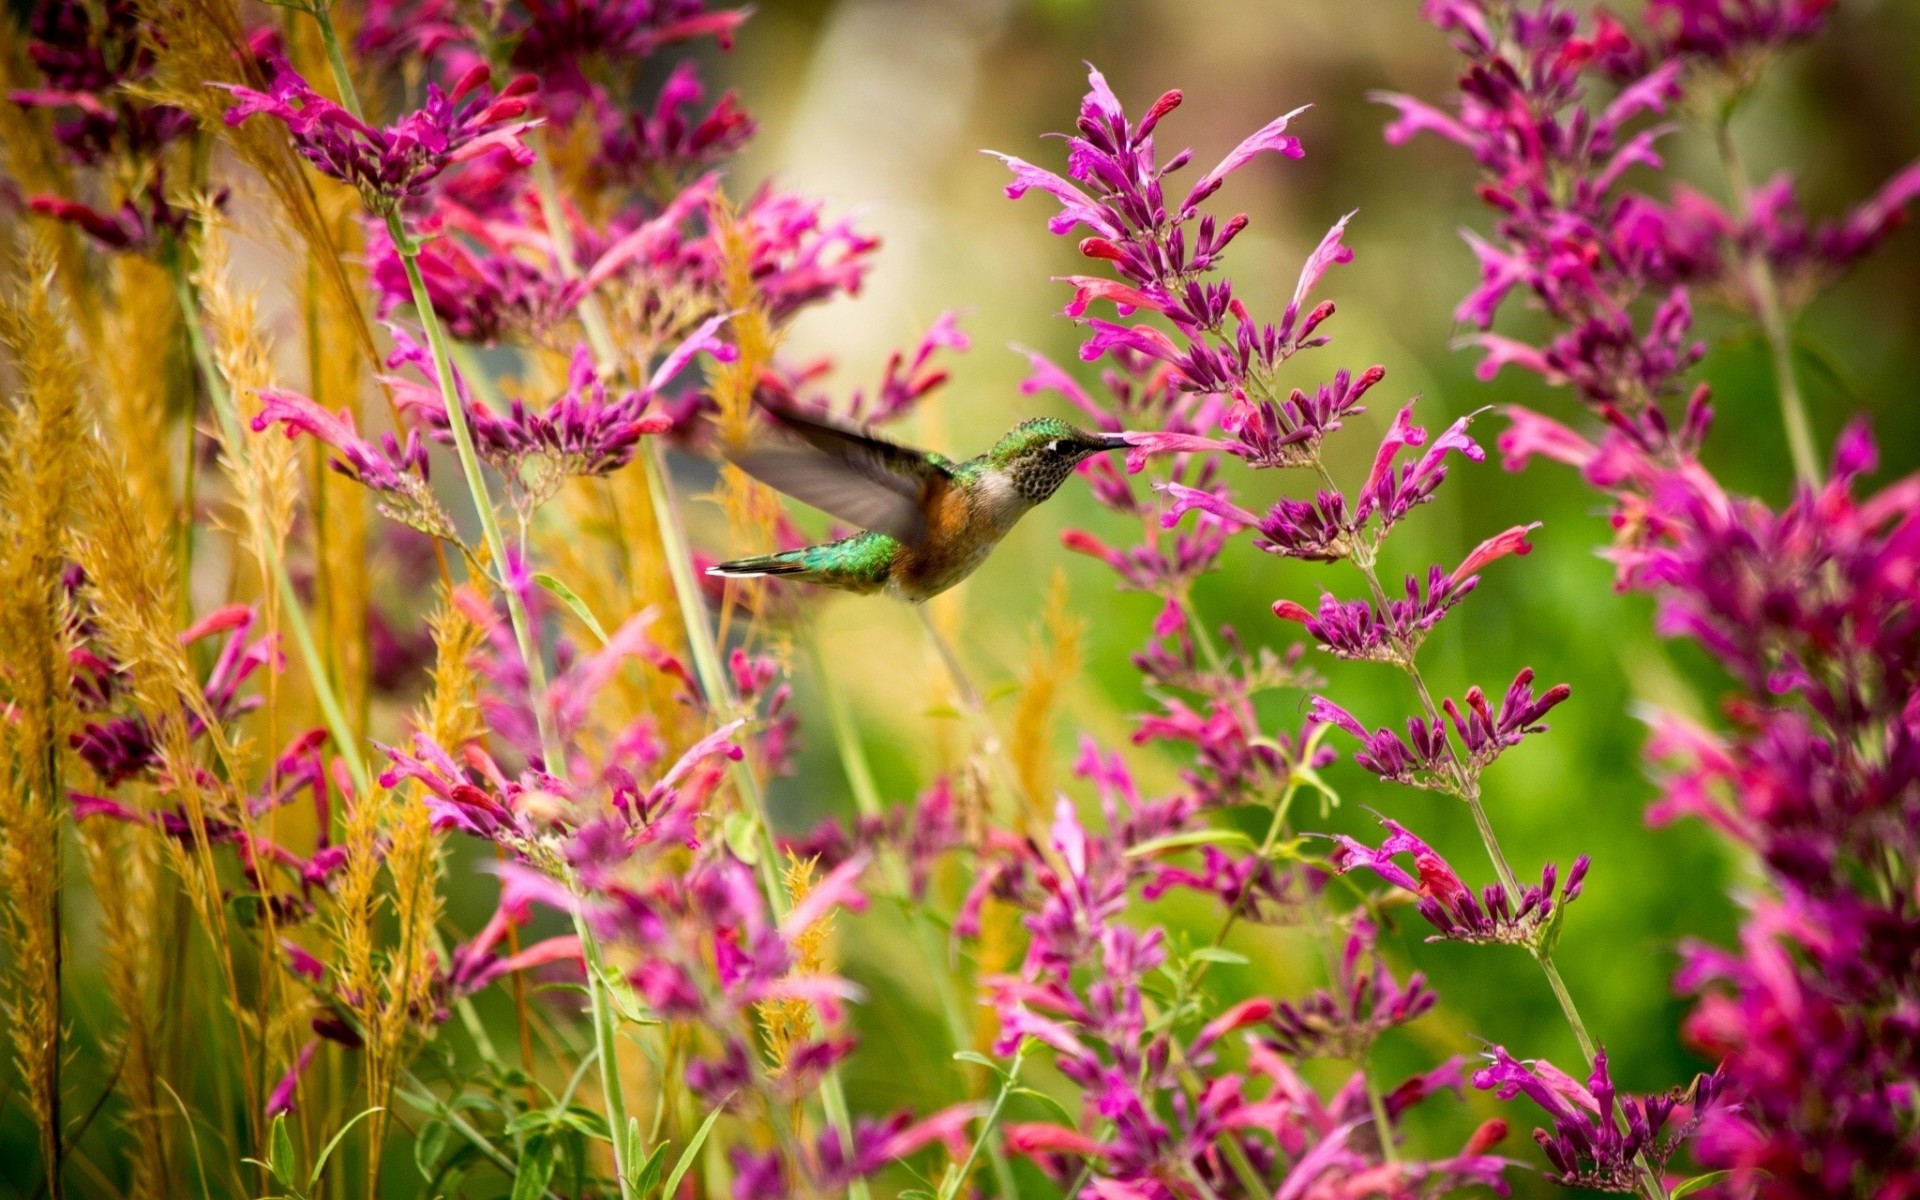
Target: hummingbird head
(1036,456)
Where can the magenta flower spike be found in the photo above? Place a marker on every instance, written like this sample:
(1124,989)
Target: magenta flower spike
(1585,1147)
(392,166)
(1449,905)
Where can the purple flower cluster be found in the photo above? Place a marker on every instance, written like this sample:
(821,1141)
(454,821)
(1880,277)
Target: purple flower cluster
(1165,256)
(395,472)
(92,59)
(1161,1116)
(1610,266)
(87,55)
(580,432)
(128,750)
(1450,906)
(1586,1147)
(1366,1001)
(392,167)
(1206,394)
(1809,606)
(121,748)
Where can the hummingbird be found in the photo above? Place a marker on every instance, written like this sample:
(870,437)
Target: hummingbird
(927,521)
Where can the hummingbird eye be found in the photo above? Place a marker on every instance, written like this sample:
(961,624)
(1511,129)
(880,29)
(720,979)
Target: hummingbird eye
(1053,447)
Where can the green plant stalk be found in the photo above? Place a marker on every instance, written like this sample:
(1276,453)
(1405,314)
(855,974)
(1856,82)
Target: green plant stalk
(866,797)
(700,637)
(550,747)
(1649,1183)
(409,252)
(606,1049)
(331,711)
(1769,312)
(713,681)
(954,1181)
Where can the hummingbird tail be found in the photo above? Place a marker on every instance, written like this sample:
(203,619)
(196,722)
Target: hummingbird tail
(785,563)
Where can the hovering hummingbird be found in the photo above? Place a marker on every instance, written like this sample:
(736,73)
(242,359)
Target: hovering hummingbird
(928,521)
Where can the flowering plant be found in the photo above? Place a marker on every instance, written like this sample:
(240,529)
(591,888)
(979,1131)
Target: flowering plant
(407,788)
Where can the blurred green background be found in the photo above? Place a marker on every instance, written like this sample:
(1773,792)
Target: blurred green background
(884,104)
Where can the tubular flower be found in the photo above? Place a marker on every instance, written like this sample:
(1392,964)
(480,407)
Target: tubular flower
(1450,906)
(392,166)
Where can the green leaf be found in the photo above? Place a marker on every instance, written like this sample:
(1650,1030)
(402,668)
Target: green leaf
(1049,1103)
(1688,1187)
(573,602)
(1291,850)
(737,830)
(1219,954)
(1192,837)
(977,1059)
(687,1156)
(326,1152)
(536,1170)
(1549,935)
(644,1175)
(280,1159)
(429,1146)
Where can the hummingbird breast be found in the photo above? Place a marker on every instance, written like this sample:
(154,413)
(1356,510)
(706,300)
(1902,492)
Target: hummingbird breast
(964,524)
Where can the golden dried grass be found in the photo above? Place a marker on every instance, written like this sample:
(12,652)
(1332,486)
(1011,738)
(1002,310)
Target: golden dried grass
(42,441)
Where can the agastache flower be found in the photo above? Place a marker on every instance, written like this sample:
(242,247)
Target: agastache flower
(300,768)
(1450,906)
(395,471)
(127,746)
(90,56)
(1364,1002)
(391,167)
(1164,254)
(1586,1146)
(668,139)
(581,432)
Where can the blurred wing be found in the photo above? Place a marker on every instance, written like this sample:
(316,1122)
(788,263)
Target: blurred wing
(864,480)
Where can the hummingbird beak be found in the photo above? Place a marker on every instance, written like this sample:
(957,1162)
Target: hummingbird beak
(1112,441)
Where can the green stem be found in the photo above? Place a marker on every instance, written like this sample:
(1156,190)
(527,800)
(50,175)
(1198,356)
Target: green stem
(331,711)
(955,1181)
(550,748)
(713,681)
(606,1050)
(1382,1126)
(1184,598)
(866,797)
(706,661)
(1771,314)
(700,637)
(336,61)
(592,320)
(1468,788)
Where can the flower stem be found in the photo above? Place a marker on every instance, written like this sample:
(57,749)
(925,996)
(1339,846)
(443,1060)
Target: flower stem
(336,61)
(700,637)
(1468,786)
(550,748)
(606,1049)
(956,1180)
(331,711)
(1769,311)
(1382,1125)
(866,797)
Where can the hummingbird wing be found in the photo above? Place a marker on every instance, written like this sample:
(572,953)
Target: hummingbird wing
(853,475)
